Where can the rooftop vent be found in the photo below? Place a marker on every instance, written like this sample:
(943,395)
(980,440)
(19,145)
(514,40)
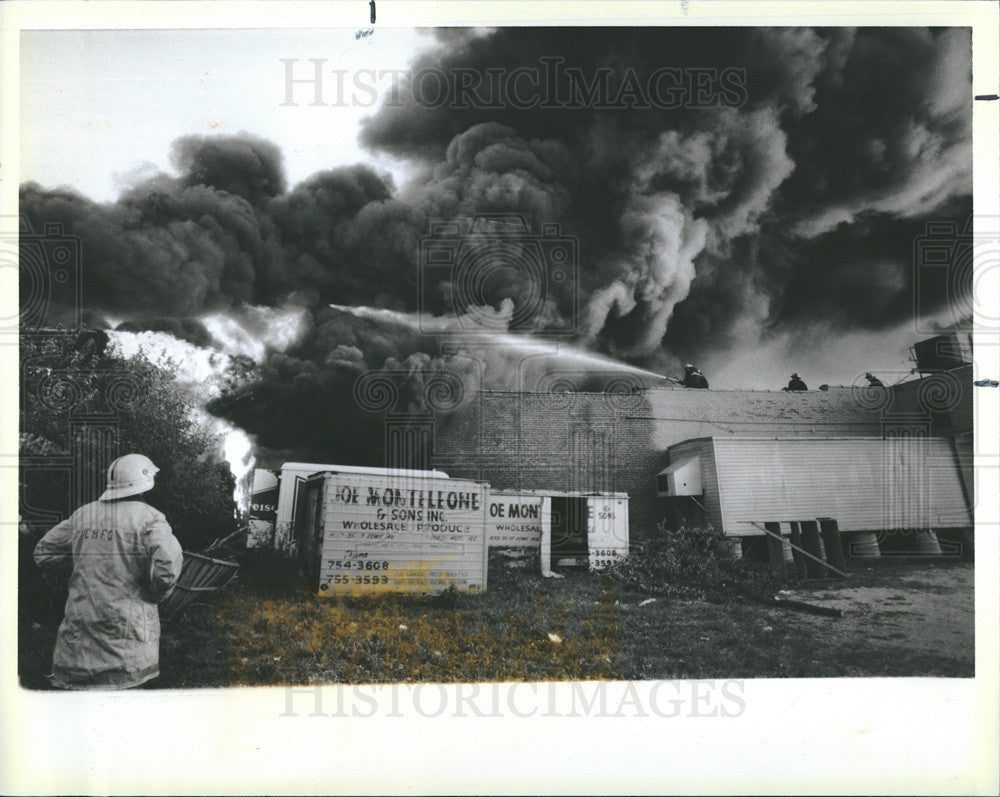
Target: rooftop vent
(943,352)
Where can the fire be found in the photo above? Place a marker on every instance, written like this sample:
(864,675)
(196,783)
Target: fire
(200,368)
(253,331)
(232,337)
(193,364)
(238,451)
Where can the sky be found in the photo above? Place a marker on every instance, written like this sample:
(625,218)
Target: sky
(770,236)
(101,108)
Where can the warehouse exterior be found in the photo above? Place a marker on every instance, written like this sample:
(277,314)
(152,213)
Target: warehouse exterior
(614,441)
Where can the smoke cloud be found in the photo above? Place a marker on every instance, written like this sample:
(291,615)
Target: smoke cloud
(790,200)
(842,132)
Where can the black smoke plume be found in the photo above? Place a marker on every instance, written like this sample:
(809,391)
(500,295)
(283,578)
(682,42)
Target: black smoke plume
(794,199)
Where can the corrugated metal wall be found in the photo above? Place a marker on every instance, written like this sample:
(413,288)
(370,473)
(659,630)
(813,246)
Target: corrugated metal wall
(866,484)
(965,458)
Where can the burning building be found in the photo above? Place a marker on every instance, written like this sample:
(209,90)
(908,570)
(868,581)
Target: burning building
(642,233)
(885,460)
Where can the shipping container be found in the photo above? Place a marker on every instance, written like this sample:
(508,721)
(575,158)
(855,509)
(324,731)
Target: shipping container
(897,483)
(567,528)
(359,533)
(274,495)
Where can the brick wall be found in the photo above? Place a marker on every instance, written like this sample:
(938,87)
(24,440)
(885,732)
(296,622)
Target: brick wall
(608,442)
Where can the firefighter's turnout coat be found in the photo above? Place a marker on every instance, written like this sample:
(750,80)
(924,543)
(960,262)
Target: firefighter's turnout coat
(124,560)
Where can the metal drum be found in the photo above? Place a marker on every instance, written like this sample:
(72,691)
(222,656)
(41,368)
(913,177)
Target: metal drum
(927,543)
(200,576)
(864,545)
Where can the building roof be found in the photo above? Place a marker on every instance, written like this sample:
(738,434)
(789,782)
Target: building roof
(745,409)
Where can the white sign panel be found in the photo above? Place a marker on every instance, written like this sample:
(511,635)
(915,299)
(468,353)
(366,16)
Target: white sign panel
(293,474)
(607,530)
(514,520)
(384,534)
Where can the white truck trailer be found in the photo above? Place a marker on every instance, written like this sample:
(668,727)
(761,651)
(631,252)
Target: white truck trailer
(273,497)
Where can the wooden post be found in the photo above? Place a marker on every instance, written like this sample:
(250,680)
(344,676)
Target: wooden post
(800,560)
(775,554)
(804,553)
(831,539)
(811,542)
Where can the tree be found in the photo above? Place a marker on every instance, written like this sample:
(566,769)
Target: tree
(80,406)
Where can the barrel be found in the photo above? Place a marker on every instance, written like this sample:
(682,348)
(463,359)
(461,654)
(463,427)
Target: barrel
(927,543)
(864,545)
(200,576)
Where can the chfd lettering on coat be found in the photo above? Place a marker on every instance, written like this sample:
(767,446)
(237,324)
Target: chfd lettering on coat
(420,499)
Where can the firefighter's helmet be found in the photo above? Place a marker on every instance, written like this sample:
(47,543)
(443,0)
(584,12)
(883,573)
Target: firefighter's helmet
(129,475)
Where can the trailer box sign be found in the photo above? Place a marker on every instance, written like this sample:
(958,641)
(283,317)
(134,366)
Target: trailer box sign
(264,500)
(514,520)
(391,534)
(584,529)
(271,515)
(263,508)
(607,530)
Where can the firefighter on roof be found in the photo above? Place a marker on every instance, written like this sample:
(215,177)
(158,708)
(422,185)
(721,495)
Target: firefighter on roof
(694,378)
(796,383)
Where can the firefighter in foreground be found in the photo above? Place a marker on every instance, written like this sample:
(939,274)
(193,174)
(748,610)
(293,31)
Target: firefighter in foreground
(123,559)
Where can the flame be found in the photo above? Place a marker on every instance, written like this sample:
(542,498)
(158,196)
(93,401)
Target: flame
(201,369)
(193,365)
(233,337)
(238,450)
(253,331)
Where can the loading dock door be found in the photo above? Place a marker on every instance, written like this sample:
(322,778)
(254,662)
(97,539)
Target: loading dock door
(569,529)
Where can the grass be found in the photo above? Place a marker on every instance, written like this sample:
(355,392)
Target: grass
(255,636)
(510,633)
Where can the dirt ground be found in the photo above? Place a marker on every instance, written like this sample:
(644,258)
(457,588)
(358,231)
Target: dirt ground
(900,619)
(919,609)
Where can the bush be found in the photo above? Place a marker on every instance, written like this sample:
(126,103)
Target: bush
(693,561)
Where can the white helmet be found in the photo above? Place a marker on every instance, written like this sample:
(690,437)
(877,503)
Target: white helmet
(129,475)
